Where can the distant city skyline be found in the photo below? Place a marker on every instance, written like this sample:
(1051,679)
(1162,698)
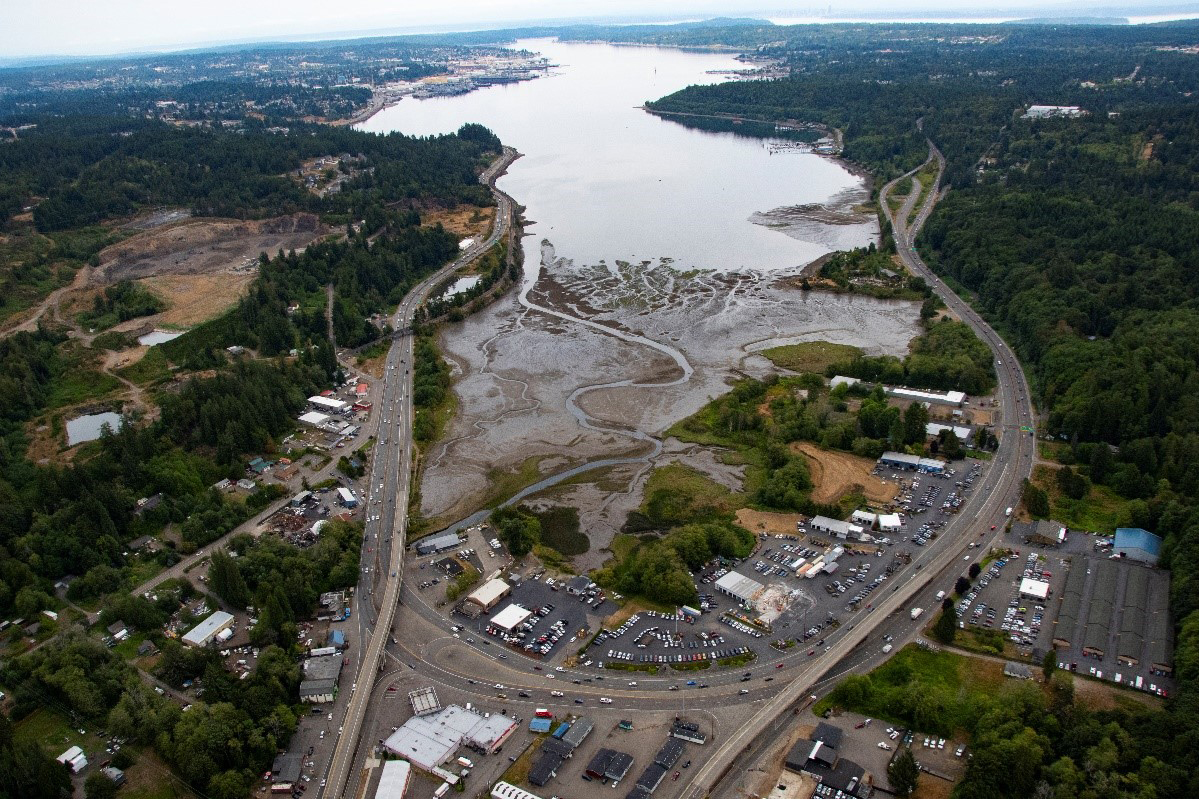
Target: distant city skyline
(30,28)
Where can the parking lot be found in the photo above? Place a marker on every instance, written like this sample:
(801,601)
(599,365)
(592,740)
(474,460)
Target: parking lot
(872,743)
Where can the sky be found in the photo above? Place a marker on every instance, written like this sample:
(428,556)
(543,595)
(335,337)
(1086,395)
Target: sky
(103,27)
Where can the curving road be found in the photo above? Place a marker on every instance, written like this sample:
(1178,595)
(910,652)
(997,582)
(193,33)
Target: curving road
(1010,465)
(388,492)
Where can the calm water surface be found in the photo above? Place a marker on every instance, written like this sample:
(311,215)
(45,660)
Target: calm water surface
(604,180)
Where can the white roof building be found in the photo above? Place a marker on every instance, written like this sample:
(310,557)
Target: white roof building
(328,403)
(934,429)
(864,517)
(1035,589)
(837,527)
(207,630)
(314,418)
(1046,111)
(393,782)
(488,595)
(429,741)
(510,617)
(955,398)
(889,522)
(740,587)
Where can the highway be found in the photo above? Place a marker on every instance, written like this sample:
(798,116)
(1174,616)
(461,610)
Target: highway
(389,488)
(1010,465)
(388,497)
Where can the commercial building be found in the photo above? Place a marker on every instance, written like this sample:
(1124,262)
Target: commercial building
(838,528)
(314,418)
(687,731)
(73,759)
(204,632)
(437,543)
(578,732)
(540,724)
(328,404)
(651,778)
(393,782)
(608,764)
(889,522)
(740,587)
(902,460)
(818,758)
(1034,589)
(670,753)
(1099,614)
(862,517)
(510,618)
(489,594)
(285,771)
(544,769)
(429,741)
(346,497)
(1064,629)
(1137,544)
(319,683)
(932,430)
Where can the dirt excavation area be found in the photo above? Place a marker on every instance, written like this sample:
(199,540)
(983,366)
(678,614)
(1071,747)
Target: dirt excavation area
(204,247)
(835,474)
(595,362)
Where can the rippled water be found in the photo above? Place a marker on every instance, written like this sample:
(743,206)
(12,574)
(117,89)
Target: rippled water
(603,179)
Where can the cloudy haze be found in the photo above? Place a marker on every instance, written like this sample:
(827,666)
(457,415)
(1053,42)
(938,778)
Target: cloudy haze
(79,27)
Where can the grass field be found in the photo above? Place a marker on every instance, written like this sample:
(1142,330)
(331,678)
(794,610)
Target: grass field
(152,368)
(936,692)
(810,356)
(1101,510)
(52,731)
(677,494)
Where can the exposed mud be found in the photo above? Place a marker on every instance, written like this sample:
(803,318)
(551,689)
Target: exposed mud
(596,361)
(838,224)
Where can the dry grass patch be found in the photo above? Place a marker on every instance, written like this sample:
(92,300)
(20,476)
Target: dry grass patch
(192,299)
(758,521)
(835,474)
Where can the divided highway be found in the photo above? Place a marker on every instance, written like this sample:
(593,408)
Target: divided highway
(1001,489)
(389,488)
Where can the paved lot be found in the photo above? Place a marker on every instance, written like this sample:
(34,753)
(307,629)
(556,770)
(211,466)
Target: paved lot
(861,745)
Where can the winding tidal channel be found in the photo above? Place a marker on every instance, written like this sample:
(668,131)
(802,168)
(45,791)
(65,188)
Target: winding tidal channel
(656,259)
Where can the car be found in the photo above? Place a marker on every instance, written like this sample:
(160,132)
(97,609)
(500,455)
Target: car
(523,694)
(676,775)
(743,691)
(556,693)
(605,700)
(578,701)
(882,745)
(691,682)
(778,665)
(499,686)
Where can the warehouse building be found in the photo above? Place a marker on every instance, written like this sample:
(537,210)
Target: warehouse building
(206,631)
(670,753)
(489,594)
(902,460)
(347,498)
(740,587)
(651,778)
(314,418)
(1099,613)
(838,528)
(932,430)
(954,399)
(429,741)
(889,522)
(328,404)
(393,782)
(1065,629)
(1137,544)
(437,543)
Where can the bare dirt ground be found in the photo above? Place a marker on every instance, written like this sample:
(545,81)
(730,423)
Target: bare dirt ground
(192,299)
(757,521)
(836,473)
(204,246)
(1100,696)
(464,221)
(517,368)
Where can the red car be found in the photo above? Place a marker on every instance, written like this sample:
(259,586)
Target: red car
(778,665)
(676,776)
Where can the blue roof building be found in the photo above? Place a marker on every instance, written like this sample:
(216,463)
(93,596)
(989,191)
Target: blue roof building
(540,725)
(1137,544)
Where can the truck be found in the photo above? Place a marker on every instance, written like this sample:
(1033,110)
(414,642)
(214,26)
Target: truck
(690,611)
(543,713)
(940,595)
(916,612)
(322,651)
(465,762)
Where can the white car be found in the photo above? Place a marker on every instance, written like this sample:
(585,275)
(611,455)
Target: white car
(605,700)
(882,745)
(556,693)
